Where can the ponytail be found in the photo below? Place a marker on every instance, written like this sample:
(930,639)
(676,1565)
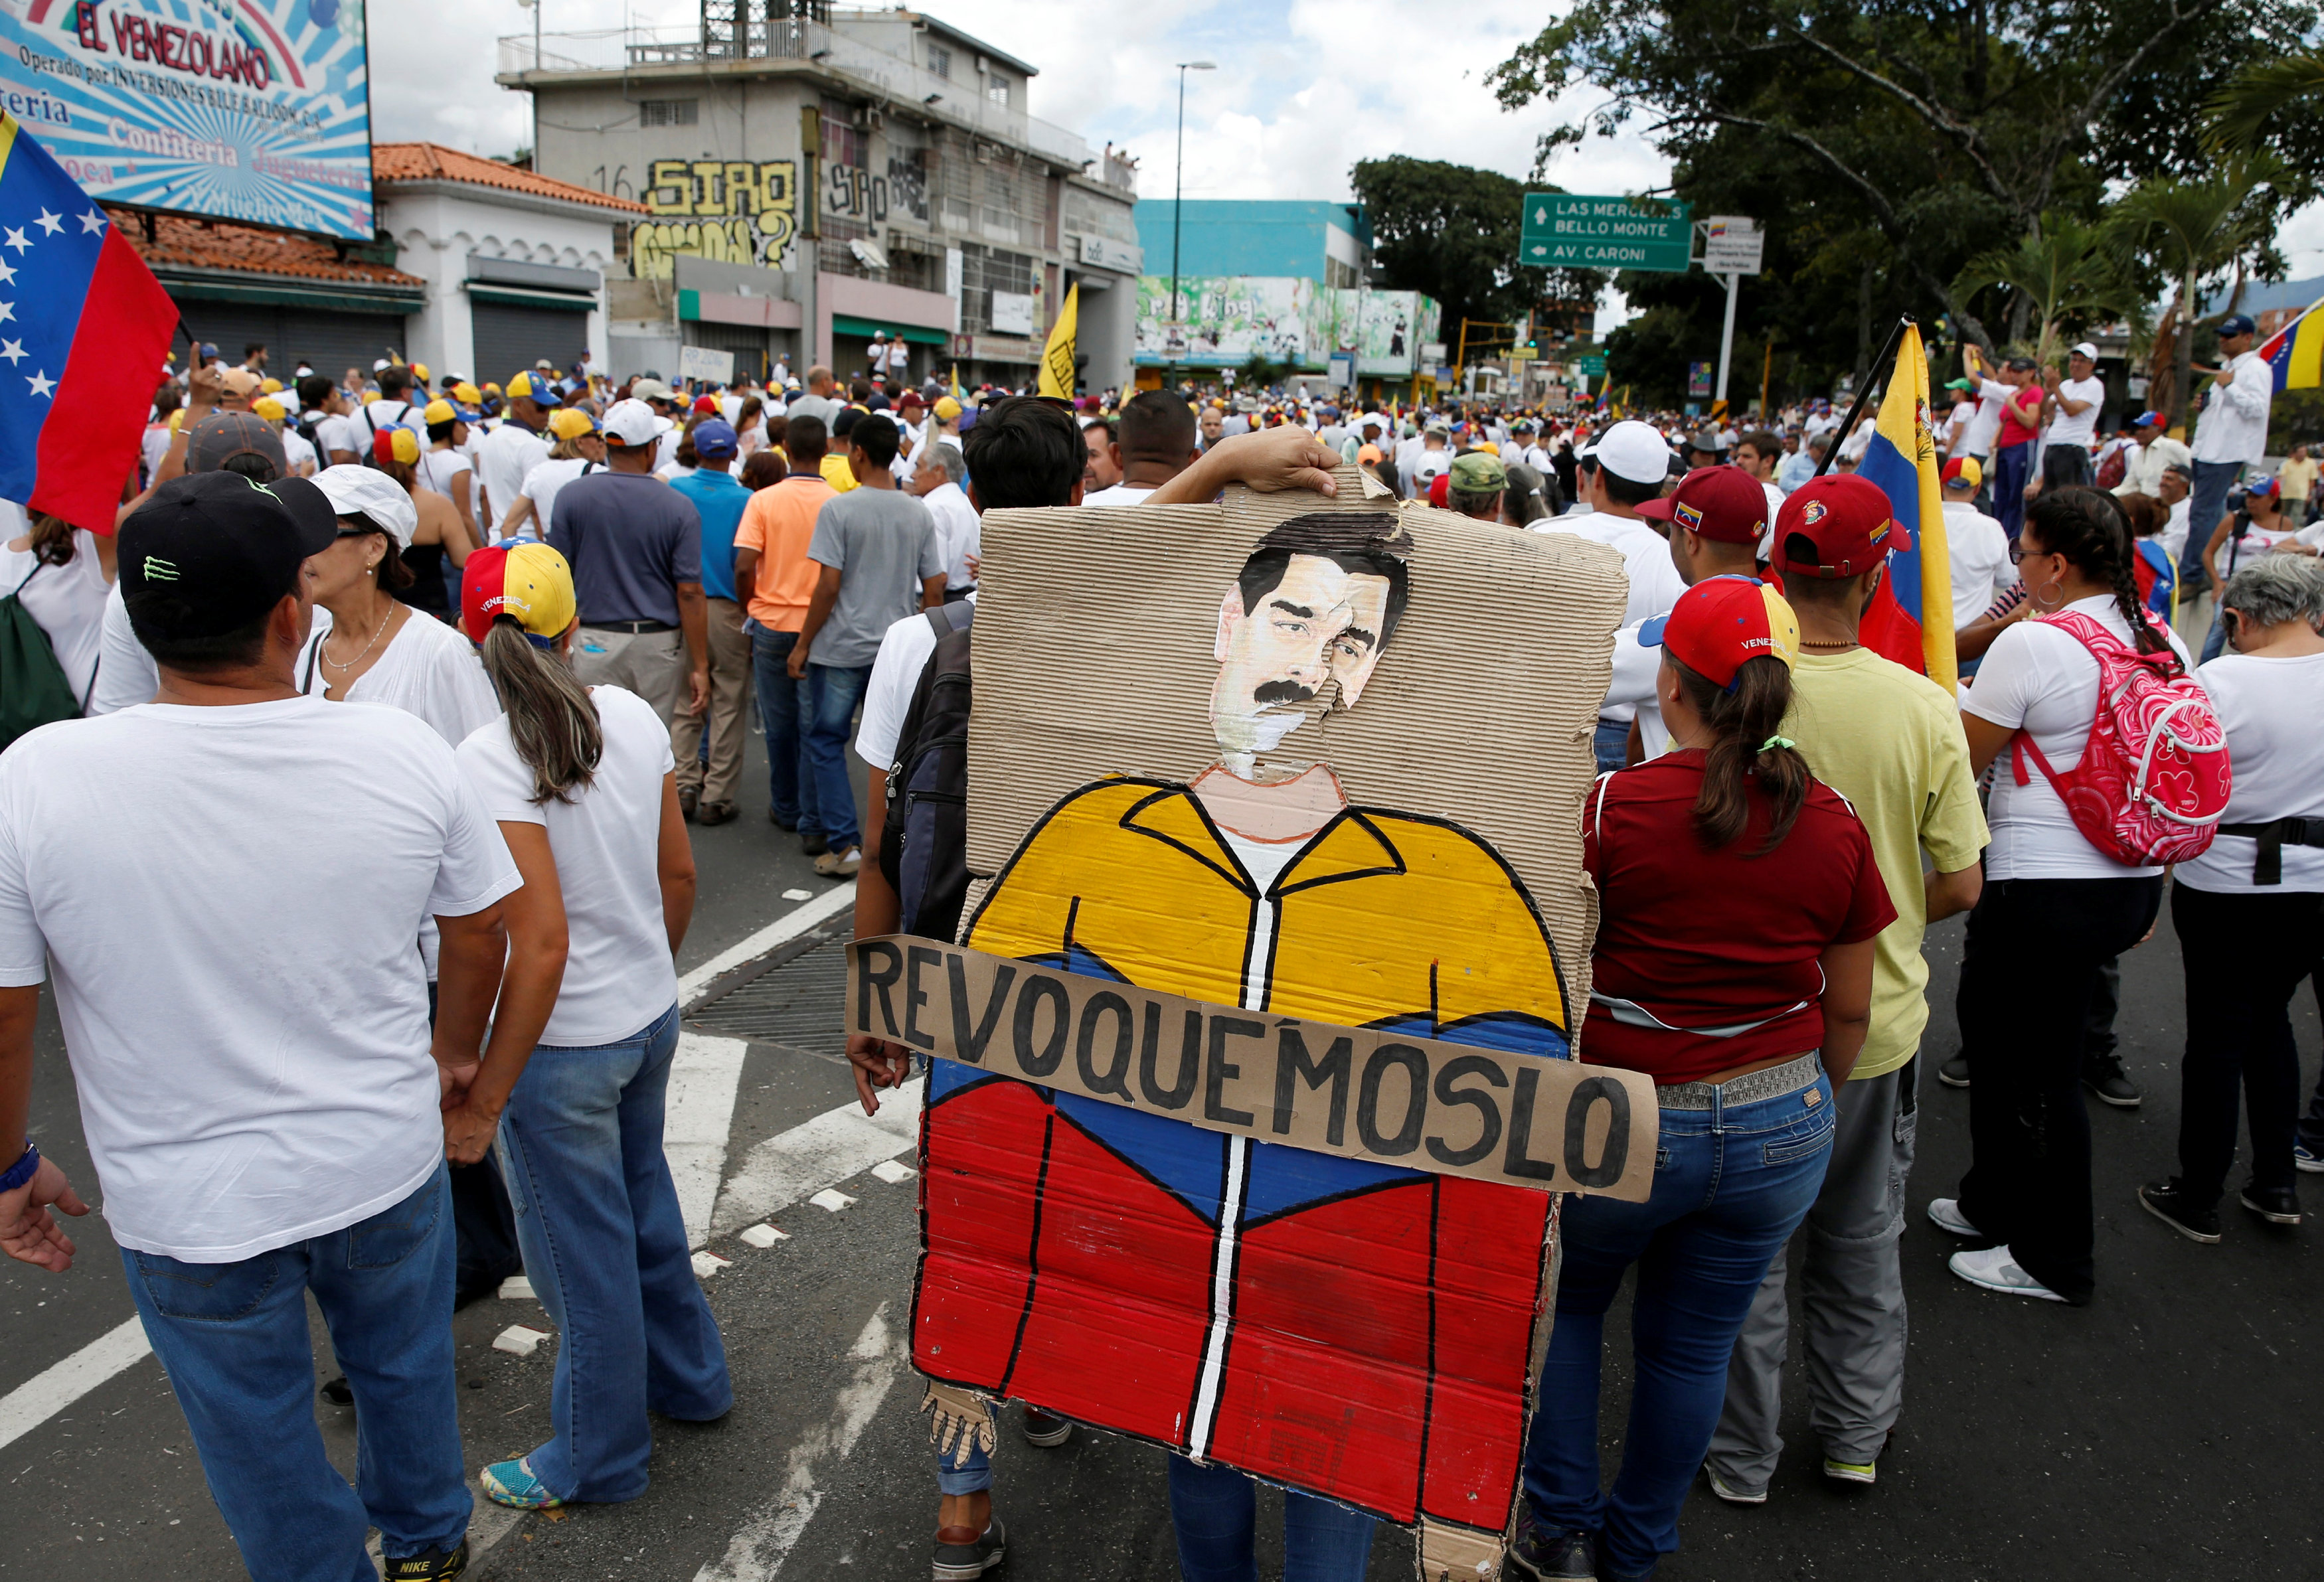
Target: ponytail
(1744,722)
(552,722)
(52,539)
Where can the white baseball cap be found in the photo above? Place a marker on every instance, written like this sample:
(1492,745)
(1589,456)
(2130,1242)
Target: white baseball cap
(633,423)
(1633,450)
(2084,349)
(354,489)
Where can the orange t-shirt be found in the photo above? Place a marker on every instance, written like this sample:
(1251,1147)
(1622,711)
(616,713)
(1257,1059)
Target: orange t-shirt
(779,523)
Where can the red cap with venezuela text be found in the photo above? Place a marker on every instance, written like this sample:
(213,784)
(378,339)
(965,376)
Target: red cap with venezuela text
(526,581)
(1721,623)
(1835,526)
(1724,503)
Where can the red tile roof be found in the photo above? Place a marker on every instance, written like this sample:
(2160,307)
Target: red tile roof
(195,243)
(425,161)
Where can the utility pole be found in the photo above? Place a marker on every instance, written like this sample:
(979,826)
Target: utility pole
(1179,181)
(1727,337)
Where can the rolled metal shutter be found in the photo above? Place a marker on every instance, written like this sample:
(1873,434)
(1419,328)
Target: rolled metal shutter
(509,339)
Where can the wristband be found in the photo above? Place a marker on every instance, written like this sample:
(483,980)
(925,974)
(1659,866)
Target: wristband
(23,1170)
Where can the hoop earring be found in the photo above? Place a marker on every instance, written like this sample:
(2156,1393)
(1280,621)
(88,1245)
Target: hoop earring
(2060,604)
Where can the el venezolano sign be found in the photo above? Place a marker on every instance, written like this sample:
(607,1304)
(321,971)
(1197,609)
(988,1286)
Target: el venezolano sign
(255,110)
(1565,230)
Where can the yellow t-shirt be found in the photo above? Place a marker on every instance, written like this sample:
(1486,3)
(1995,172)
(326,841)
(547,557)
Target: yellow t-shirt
(2298,478)
(1891,742)
(836,472)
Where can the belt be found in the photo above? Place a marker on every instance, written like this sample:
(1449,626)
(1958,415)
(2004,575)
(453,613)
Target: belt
(1791,1077)
(2267,866)
(634,628)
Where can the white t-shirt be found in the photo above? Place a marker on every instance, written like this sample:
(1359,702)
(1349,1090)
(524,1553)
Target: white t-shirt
(2076,427)
(505,459)
(304,459)
(1978,549)
(1636,666)
(2173,536)
(541,484)
(2039,678)
(887,695)
(155,447)
(1655,582)
(441,469)
(1120,494)
(340,433)
(1986,426)
(2234,554)
(619,978)
(2270,707)
(230,898)
(67,601)
(960,531)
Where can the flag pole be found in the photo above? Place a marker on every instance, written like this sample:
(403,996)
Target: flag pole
(1886,359)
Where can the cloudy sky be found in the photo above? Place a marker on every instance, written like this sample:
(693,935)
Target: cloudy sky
(1303,88)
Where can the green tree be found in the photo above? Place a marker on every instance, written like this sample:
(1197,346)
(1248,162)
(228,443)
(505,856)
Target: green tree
(2067,274)
(1450,233)
(2240,113)
(2190,231)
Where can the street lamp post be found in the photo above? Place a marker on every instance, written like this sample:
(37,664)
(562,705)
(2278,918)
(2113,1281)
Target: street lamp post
(1178,193)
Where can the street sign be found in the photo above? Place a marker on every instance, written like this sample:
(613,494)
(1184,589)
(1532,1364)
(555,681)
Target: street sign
(1521,354)
(1592,363)
(1731,245)
(1565,230)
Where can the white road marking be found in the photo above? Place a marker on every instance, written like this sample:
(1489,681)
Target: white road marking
(757,1552)
(45,1394)
(893,1174)
(792,1166)
(763,1236)
(783,929)
(697,1117)
(831,1200)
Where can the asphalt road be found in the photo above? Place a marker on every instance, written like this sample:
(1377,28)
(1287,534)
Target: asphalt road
(2166,1430)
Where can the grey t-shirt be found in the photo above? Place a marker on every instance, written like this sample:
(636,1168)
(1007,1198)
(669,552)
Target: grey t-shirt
(882,542)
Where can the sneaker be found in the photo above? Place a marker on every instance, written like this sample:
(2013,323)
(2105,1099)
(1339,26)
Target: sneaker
(716,812)
(689,798)
(962,1554)
(1945,1214)
(840,864)
(1043,1430)
(813,844)
(429,1566)
(2306,1158)
(788,826)
(2276,1205)
(1556,1557)
(2168,1201)
(1954,1073)
(2107,1085)
(1863,1472)
(1732,1494)
(1994,1269)
(512,1483)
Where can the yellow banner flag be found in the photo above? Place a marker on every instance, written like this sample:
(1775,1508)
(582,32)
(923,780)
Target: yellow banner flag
(1057,357)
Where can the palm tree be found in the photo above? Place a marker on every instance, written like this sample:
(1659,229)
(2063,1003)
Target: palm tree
(2189,230)
(2238,111)
(2066,271)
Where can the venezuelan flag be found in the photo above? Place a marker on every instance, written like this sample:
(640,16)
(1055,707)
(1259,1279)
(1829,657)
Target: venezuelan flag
(1911,620)
(2296,352)
(84,326)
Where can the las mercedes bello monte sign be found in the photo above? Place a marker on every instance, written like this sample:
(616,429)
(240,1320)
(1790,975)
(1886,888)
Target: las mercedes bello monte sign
(1448,1108)
(1565,230)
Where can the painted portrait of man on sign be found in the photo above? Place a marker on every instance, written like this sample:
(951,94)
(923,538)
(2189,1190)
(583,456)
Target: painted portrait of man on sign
(1352,1329)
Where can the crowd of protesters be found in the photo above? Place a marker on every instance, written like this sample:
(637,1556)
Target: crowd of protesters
(567,599)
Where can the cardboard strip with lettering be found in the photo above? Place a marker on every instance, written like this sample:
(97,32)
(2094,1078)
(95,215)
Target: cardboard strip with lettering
(1447,1109)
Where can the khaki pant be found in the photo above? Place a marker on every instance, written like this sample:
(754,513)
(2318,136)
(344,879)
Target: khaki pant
(730,711)
(651,664)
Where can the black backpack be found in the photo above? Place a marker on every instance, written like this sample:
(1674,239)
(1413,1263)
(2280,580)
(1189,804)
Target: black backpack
(924,846)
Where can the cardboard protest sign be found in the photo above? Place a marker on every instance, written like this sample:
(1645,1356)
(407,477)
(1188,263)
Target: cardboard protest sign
(1451,1109)
(1294,760)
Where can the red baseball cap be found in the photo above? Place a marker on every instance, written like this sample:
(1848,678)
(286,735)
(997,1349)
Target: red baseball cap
(1722,503)
(1722,621)
(527,581)
(1842,523)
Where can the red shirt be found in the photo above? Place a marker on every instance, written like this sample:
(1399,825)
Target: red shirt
(1695,938)
(2021,418)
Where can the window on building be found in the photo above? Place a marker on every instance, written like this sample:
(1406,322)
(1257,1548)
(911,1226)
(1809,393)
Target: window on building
(1338,275)
(940,61)
(984,270)
(668,112)
(845,142)
(996,88)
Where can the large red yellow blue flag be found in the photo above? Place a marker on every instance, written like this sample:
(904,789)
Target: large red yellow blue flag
(84,326)
(1911,618)
(2296,352)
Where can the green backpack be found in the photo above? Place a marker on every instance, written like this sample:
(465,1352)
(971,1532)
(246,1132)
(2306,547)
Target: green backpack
(34,691)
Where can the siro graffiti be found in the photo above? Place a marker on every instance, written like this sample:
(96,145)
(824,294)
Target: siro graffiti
(732,211)
(852,193)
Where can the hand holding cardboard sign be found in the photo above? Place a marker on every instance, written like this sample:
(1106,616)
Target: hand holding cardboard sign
(1268,461)
(878,1063)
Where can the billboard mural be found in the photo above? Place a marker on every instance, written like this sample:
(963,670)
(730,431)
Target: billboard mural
(255,110)
(1385,329)
(1231,319)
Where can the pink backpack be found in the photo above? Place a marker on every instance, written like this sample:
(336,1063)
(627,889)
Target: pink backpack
(2154,779)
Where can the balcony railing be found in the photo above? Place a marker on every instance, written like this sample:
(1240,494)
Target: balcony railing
(889,77)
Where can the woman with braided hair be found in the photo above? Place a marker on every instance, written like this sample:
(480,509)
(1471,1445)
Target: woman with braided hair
(2054,910)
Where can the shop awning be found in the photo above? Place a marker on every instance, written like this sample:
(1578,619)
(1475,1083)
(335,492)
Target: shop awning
(283,294)
(532,297)
(847,323)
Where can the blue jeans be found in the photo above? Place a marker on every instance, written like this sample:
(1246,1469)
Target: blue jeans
(604,1246)
(1731,1183)
(2207,502)
(1611,744)
(2012,466)
(1215,1511)
(2215,642)
(833,692)
(782,706)
(234,1340)
(974,1475)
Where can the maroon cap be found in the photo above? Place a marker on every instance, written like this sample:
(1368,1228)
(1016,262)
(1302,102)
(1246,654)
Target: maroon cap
(1723,503)
(1845,523)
